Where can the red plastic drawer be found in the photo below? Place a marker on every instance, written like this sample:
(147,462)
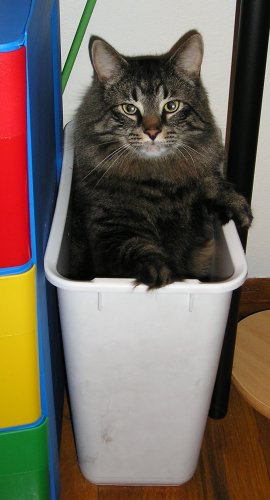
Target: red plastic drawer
(14,210)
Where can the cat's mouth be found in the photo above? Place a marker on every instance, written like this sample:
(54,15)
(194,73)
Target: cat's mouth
(153,148)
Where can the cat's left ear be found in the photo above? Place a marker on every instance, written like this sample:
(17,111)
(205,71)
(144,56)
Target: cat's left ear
(107,62)
(187,54)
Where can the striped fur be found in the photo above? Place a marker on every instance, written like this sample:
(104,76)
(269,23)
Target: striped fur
(148,183)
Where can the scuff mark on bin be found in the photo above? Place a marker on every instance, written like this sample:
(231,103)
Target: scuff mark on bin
(107,438)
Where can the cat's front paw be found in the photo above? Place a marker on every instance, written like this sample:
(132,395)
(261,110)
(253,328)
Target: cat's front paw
(238,210)
(154,275)
(243,217)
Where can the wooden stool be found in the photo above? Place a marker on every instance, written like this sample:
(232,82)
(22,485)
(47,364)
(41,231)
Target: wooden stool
(251,368)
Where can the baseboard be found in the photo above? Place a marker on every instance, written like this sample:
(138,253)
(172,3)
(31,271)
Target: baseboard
(255,296)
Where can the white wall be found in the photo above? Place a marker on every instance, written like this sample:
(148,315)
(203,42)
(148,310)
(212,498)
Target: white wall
(152,27)
(258,249)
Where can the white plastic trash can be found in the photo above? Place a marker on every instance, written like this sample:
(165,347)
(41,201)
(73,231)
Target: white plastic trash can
(141,365)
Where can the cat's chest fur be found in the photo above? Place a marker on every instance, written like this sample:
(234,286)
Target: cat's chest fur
(167,210)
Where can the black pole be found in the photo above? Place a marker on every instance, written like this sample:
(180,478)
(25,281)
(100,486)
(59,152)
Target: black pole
(251,55)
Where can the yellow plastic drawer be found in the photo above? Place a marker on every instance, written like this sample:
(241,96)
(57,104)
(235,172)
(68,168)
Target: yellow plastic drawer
(19,369)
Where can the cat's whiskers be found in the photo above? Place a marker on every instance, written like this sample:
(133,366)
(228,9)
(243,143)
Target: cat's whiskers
(95,146)
(194,150)
(124,157)
(189,154)
(118,156)
(181,153)
(108,157)
(195,160)
(131,153)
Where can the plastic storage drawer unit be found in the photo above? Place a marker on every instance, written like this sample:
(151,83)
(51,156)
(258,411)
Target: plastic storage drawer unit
(14,210)
(19,367)
(24,467)
(141,365)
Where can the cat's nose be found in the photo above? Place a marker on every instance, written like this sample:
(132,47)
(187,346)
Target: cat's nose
(152,132)
(151,125)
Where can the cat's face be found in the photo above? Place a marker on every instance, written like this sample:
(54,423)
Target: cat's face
(151,119)
(152,106)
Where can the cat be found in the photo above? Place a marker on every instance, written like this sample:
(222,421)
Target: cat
(148,182)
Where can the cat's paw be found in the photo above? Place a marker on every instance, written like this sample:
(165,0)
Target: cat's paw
(238,210)
(154,275)
(243,217)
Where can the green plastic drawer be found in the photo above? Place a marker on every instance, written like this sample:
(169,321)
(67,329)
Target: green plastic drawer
(24,464)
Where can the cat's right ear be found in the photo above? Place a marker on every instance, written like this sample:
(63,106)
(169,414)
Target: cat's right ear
(107,62)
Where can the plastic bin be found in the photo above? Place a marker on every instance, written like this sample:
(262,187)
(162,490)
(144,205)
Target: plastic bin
(141,365)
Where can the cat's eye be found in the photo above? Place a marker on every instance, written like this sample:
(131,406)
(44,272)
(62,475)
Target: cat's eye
(172,106)
(129,109)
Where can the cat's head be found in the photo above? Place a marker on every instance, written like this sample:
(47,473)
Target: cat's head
(153,105)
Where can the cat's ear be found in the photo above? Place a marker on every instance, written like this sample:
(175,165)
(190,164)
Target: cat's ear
(107,62)
(187,54)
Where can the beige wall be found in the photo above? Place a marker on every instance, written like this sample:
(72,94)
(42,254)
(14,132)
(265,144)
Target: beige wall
(153,26)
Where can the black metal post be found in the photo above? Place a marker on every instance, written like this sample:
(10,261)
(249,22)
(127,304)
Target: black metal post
(252,44)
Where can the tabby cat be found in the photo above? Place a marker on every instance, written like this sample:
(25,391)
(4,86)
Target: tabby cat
(148,180)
